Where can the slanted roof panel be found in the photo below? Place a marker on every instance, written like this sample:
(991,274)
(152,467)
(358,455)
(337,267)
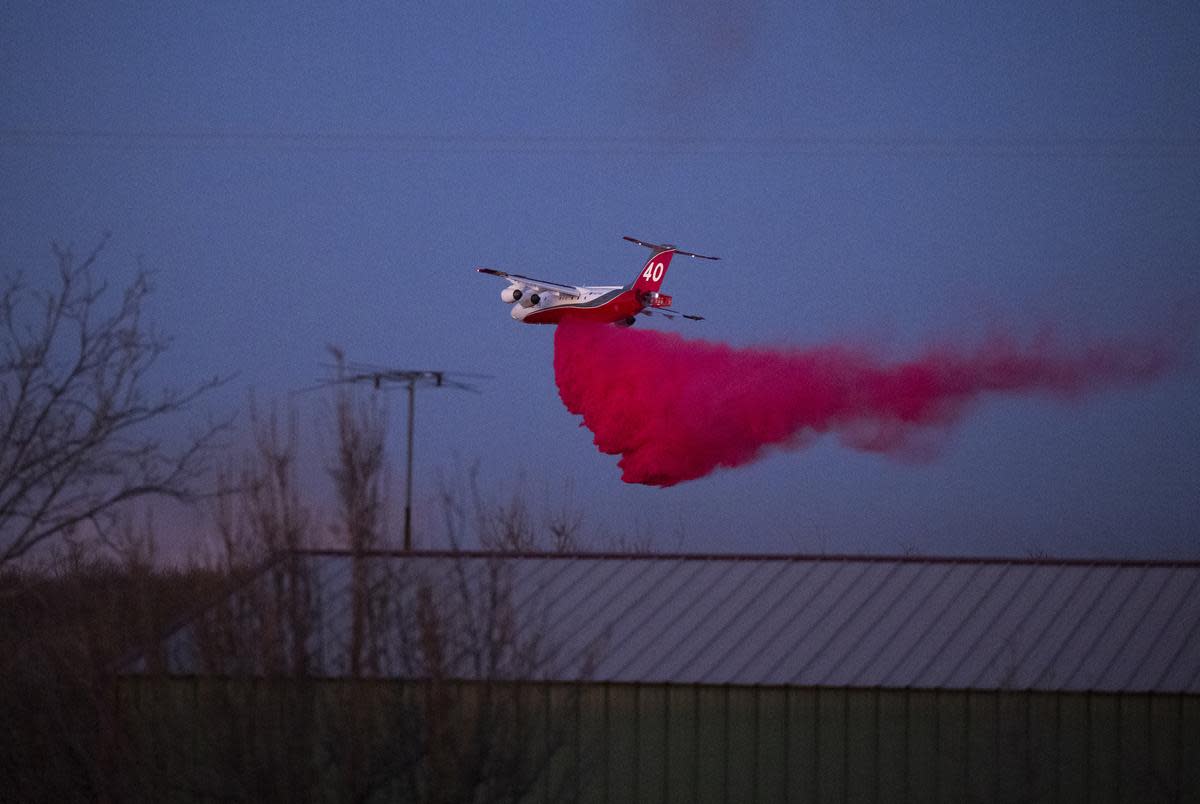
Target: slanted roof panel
(742,616)
(992,659)
(760,652)
(730,650)
(585,636)
(927,629)
(1055,620)
(1077,666)
(1165,668)
(797,621)
(684,621)
(882,640)
(981,609)
(1165,589)
(828,665)
(787,620)
(841,606)
(637,647)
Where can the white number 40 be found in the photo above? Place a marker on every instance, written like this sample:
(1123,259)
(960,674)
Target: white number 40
(653,273)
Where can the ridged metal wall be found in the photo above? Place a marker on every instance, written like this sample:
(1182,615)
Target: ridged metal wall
(625,743)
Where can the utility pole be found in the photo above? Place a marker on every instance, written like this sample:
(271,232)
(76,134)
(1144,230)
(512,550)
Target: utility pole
(379,376)
(412,408)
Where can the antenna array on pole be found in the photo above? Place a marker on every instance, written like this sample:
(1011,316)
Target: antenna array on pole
(381,378)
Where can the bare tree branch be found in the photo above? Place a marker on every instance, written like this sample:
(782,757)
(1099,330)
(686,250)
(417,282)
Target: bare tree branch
(77,416)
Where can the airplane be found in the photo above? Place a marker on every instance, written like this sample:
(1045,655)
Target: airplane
(536,301)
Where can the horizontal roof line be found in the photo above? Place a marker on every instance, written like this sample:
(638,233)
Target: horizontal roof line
(741,557)
(283,678)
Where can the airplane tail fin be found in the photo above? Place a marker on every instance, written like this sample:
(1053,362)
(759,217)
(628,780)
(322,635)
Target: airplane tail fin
(655,269)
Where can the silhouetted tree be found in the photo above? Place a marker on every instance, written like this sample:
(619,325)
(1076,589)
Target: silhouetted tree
(62,632)
(263,518)
(422,682)
(475,516)
(357,471)
(76,411)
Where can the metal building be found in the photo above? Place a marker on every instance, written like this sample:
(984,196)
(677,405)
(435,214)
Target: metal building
(750,678)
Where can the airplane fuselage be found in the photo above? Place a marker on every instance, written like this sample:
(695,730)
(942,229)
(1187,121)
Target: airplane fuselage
(599,305)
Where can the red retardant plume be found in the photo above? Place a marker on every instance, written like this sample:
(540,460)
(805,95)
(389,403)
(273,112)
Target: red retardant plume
(676,409)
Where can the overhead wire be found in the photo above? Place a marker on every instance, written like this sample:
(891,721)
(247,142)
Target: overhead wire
(949,146)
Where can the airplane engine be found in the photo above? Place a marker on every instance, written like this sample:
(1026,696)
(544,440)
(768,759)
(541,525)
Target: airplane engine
(531,300)
(511,294)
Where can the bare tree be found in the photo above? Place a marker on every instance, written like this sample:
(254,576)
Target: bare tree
(76,414)
(474,517)
(430,679)
(358,472)
(359,463)
(62,630)
(264,518)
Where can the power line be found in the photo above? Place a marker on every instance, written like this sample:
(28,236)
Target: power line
(1155,147)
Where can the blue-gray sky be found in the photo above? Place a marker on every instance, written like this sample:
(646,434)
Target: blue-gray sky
(330,174)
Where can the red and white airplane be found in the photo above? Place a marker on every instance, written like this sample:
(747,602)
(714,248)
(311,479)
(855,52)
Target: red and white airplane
(536,301)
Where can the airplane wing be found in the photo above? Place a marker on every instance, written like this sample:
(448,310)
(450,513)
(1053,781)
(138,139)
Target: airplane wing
(570,291)
(670,312)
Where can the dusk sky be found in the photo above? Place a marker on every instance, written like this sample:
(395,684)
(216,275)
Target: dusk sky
(303,176)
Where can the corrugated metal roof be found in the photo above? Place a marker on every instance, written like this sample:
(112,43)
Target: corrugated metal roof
(933,623)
